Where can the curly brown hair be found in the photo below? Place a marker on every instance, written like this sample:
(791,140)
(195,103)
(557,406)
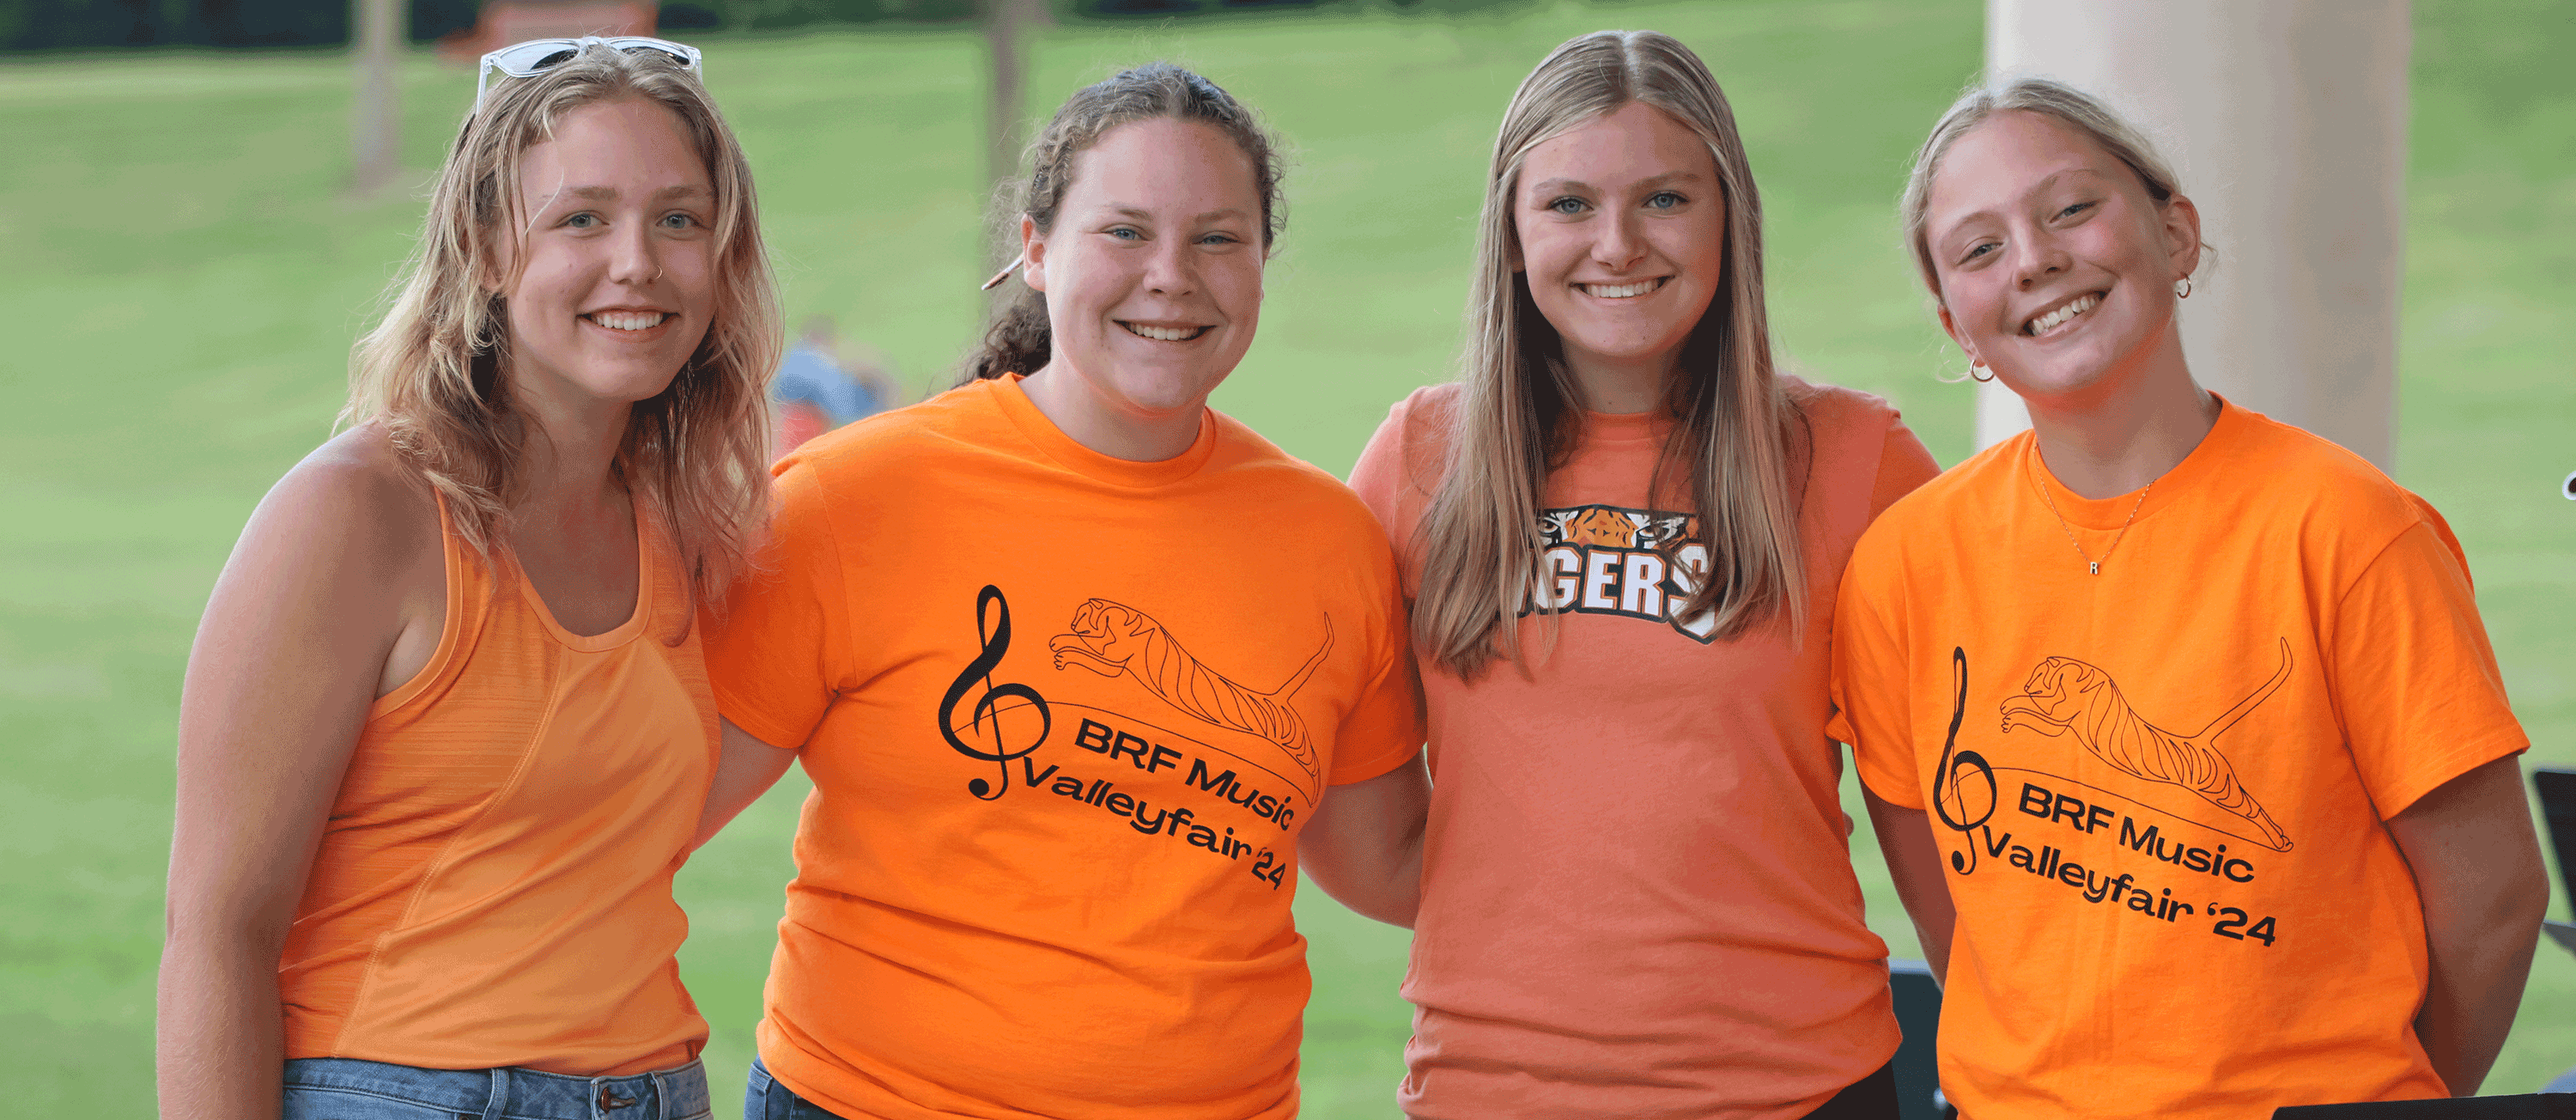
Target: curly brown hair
(1019,339)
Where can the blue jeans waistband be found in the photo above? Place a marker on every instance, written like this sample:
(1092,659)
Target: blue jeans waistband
(678,1093)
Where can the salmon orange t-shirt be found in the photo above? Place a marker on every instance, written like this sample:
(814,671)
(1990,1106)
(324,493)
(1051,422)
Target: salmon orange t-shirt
(2159,791)
(493,887)
(1638,901)
(1065,715)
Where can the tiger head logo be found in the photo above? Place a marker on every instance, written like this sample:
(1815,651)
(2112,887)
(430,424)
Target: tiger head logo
(1602,528)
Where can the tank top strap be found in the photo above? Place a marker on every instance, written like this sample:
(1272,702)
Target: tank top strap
(471,582)
(670,596)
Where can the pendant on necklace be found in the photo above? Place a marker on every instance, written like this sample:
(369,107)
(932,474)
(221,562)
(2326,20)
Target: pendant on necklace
(2097,566)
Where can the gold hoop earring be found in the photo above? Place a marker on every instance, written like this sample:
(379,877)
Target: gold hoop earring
(2182,288)
(1973,367)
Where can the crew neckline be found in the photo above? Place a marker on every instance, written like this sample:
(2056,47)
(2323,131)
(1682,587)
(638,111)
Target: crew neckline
(1068,452)
(2106,514)
(1626,427)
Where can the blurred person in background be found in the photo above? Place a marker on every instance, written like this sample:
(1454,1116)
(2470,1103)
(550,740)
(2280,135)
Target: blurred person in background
(1083,672)
(2222,762)
(1622,531)
(446,733)
(821,387)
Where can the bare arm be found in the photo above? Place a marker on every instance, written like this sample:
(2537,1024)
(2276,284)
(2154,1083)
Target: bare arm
(287,660)
(2477,868)
(1364,845)
(1914,861)
(746,769)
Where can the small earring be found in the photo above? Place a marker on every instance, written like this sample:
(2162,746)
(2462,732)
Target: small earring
(2182,288)
(657,274)
(1973,367)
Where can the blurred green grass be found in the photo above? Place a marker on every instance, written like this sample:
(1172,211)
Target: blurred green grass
(184,275)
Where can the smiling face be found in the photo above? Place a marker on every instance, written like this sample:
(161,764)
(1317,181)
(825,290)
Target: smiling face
(1152,273)
(616,279)
(2056,268)
(1622,230)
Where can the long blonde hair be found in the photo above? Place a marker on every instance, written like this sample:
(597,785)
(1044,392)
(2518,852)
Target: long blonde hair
(430,373)
(1518,415)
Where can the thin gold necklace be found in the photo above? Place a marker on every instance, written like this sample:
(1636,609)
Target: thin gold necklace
(2089,561)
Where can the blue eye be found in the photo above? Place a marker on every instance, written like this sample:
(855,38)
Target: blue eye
(1665,200)
(583,220)
(1567,205)
(2074,208)
(1978,251)
(1126,233)
(677,220)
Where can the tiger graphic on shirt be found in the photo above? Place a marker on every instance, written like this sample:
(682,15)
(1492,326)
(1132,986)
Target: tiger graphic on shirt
(1114,638)
(1616,560)
(2064,696)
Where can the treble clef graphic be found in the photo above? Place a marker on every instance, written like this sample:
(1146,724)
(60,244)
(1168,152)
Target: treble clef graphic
(996,639)
(1953,760)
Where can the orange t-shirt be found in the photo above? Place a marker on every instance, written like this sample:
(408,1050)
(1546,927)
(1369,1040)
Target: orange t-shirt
(494,885)
(1637,895)
(1065,715)
(2160,789)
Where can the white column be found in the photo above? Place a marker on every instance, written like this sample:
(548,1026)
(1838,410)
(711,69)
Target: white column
(2286,121)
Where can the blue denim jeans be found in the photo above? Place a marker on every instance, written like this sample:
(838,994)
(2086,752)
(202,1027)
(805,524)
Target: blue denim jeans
(763,1098)
(349,1089)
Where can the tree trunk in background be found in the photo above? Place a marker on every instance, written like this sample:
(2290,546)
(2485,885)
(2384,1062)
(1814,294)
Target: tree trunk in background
(2286,120)
(375,28)
(1005,114)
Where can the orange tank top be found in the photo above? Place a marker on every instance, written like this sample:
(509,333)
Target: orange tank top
(494,883)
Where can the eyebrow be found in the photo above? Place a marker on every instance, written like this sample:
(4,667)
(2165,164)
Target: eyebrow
(610,194)
(2036,189)
(1142,214)
(1554,185)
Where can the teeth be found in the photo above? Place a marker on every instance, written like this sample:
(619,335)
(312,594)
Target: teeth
(1165,334)
(1619,291)
(628,320)
(2048,322)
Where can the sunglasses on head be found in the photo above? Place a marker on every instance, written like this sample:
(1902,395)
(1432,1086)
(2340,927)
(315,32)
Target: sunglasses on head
(536,56)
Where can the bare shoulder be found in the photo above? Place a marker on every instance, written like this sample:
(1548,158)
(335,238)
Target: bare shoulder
(349,517)
(359,481)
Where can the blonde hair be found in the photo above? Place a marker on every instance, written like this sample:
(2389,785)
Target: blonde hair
(430,373)
(1519,414)
(2055,100)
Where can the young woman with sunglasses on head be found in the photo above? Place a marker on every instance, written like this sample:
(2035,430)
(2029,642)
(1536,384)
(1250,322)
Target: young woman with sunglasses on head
(2221,761)
(1622,531)
(446,733)
(1083,671)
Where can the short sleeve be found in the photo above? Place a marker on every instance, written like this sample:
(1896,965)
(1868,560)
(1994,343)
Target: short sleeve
(2414,679)
(1384,728)
(1903,464)
(1380,476)
(1869,683)
(772,658)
